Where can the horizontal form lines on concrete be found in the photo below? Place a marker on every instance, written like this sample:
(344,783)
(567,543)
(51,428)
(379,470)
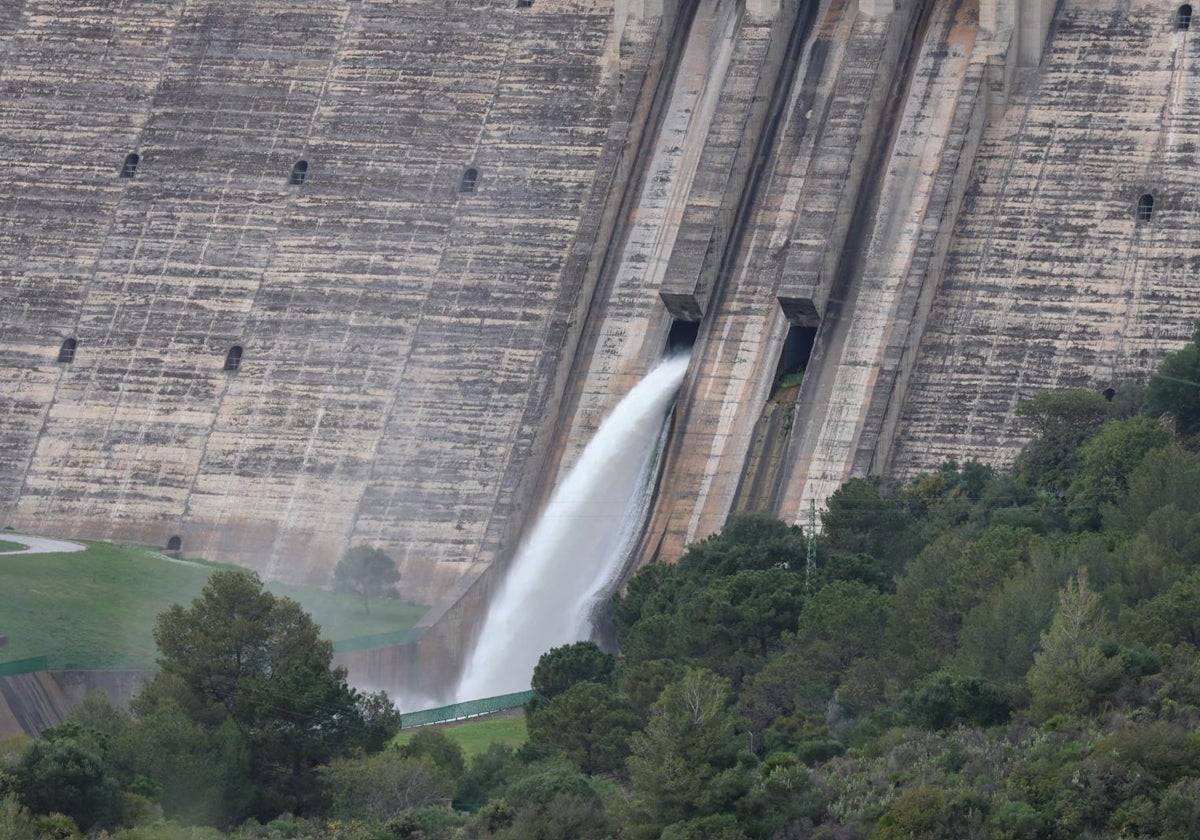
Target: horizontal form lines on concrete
(305,280)
(1051,280)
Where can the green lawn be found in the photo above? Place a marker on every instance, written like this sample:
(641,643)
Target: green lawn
(9,545)
(475,735)
(341,615)
(91,606)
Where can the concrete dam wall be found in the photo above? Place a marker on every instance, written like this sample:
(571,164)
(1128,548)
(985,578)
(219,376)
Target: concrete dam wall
(402,326)
(283,277)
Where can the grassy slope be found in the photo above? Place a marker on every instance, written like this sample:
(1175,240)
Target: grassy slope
(103,603)
(9,545)
(475,735)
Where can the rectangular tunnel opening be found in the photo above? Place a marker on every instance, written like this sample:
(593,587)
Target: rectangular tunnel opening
(793,358)
(682,336)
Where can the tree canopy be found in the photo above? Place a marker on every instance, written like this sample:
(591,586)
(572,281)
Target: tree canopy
(241,655)
(367,572)
(1174,389)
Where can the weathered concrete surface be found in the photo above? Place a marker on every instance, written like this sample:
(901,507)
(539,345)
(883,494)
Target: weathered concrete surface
(683,267)
(403,342)
(842,404)
(421,363)
(30,703)
(119,687)
(1050,280)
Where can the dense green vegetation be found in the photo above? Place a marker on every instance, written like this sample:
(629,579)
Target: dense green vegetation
(239,721)
(99,605)
(977,656)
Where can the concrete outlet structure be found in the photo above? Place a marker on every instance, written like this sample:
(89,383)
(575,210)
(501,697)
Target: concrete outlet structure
(282,277)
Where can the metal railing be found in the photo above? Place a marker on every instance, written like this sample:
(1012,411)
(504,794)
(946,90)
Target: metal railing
(23,666)
(118,662)
(470,708)
(378,640)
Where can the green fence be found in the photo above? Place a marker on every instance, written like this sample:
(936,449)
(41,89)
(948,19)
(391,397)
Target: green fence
(378,640)
(470,708)
(102,662)
(76,663)
(23,666)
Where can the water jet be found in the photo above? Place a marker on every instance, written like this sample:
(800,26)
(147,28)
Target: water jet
(577,551)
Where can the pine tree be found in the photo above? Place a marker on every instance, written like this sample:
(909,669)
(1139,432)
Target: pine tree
(1071,673)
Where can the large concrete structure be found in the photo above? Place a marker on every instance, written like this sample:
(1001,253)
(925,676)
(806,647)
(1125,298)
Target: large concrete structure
(378,269)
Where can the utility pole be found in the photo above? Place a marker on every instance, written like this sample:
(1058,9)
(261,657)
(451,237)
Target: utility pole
(810,564)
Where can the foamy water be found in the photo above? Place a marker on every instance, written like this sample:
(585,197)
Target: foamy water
(579,544)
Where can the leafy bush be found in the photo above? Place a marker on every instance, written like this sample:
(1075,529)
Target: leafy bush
(949,698)
(429,823)
(167,830)
(562,667)
(1016,821)
(918,812)
(1172,389)
(16,823)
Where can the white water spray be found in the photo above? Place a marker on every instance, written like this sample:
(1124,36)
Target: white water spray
(579,545)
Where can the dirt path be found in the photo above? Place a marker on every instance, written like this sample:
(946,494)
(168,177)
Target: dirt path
(38,545)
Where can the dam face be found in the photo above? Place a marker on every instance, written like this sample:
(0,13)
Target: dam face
(279,278)
(1053,277)
(402,326)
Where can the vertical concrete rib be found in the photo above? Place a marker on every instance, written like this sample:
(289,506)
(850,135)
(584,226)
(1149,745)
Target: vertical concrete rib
(632,327)
(740,339)
(838,408)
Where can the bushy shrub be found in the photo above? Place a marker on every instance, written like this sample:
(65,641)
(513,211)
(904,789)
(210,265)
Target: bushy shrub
(167,830)
(429,823)
(922,812)
(949,698)
(16,823)
(1016,821)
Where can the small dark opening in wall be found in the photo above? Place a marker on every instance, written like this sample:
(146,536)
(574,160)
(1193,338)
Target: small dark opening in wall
(1109,393)
(1183,17)
(129,168)
(470,180)
(233,359)
(793,358)
(299,172)
(681,338)
(1145,208)
(524,4)
(66,353)
(797,347)
(175,543)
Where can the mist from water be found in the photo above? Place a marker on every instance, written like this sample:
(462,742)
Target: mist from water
(578,548)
